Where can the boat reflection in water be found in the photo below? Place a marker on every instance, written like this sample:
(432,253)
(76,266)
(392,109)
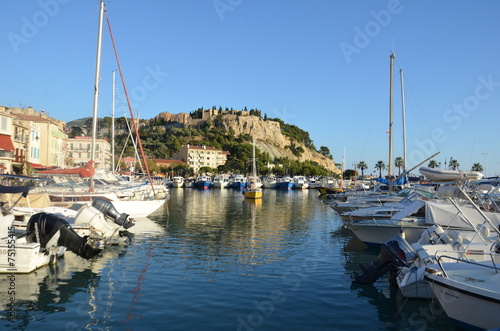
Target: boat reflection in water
(216,259)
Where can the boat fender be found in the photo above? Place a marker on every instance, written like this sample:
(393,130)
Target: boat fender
(457,246)
(454,236)
(45,229)
(106,207)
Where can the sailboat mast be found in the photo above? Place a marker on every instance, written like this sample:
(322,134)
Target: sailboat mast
(254,172)
(113,124)
(96,88)
(390,114)
(404,117)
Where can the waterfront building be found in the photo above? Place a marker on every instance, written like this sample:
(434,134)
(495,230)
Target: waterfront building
(78,150)
(201,156)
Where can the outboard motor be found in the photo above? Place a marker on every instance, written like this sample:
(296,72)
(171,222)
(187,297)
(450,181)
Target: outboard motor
(107,208)
(395,252)
(51,230)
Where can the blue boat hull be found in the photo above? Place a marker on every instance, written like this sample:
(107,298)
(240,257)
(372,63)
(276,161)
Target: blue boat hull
(284,186)
(203,184)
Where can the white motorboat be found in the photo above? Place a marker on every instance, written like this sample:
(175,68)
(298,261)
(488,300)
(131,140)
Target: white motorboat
(270,182)
(448,215)
(470,292)
(177,181)
(413,259)
(45,239)
(387,210)
(221,181)
(363,200)
(465,245)
(300,182)
(100,221)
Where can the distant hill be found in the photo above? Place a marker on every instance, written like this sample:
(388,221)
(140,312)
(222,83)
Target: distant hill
(274,139)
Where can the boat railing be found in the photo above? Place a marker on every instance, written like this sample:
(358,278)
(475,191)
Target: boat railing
(493,256)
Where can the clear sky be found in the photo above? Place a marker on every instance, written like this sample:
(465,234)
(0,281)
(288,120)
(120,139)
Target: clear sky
(322,65)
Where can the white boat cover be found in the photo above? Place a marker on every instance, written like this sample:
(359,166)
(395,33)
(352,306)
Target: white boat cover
(446,214)
(408,210)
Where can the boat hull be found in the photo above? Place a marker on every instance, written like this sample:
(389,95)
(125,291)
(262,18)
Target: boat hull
(376,233)
(284,185)
(449,175)
(28,258)
(253,194)
(460,301)
(202,184)
(239,185)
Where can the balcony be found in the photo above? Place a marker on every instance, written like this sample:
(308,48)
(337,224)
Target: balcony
(19,159)
(21,139)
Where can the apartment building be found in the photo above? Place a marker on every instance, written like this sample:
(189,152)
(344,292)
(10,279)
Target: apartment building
(201,156)
(79,149)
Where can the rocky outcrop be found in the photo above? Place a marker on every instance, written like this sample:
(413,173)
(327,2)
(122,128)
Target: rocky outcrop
(267,134)
(182,118)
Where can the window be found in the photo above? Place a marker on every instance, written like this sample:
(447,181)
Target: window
(4,124)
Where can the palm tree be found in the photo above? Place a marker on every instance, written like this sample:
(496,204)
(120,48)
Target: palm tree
(477,167)
(433,164)
(454,164)
(398,162)
(362,166)
(380,165)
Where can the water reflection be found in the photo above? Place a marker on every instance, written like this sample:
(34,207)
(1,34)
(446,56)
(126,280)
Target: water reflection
(50,289)
(208,258)
(210,225)
(395,311)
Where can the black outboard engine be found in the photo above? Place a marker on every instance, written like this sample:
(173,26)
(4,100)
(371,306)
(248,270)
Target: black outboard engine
(107,208)
(395,252)
(49,229)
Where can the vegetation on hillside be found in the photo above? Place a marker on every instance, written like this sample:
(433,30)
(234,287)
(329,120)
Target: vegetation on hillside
(161,140)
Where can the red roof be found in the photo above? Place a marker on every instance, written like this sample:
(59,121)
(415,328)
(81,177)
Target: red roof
(38,166)
(6,143)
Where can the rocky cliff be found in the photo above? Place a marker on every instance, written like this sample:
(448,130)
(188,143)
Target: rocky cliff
(267,134)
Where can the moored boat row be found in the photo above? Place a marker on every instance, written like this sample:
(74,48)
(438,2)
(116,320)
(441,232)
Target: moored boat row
(238,181)
(440,243)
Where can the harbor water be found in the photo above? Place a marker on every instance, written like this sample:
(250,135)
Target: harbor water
(213,260)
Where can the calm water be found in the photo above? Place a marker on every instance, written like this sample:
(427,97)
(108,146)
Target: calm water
(215,261)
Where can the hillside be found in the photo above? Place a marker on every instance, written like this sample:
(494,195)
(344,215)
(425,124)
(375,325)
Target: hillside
(274,139)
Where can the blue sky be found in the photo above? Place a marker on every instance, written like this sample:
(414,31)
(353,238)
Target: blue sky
(322,65)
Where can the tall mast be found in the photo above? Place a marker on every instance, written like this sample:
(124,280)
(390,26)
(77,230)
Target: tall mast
(113,124)
(404,117)
(254,173)
(96,88)
(390,114)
